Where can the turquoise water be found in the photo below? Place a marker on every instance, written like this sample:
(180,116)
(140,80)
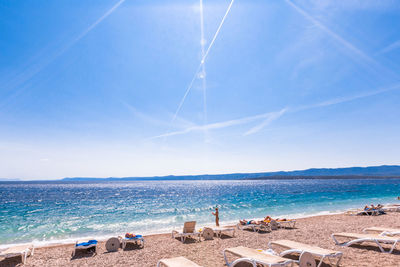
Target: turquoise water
(53,211)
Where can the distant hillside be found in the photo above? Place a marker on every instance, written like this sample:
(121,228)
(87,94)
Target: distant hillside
(9,180)
(322,173)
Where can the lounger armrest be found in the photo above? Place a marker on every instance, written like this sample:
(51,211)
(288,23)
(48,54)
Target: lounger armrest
(174,232)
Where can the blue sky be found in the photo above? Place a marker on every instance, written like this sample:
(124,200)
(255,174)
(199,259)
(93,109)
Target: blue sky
(96,88)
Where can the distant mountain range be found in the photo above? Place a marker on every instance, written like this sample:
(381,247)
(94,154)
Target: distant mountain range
(384,171)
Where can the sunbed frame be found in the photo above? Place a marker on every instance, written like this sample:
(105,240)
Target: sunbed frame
(360,238)
(255,258)
(293,247)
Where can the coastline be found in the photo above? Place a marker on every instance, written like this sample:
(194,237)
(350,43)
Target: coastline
(72,240)
(314,230)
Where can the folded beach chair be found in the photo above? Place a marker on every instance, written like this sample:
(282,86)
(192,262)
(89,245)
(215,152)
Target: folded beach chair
(138,239)
(255,257)
(91,244)
(360,238)
(189,230)
(382,231)
(177,262)
(23,250)
(292,247)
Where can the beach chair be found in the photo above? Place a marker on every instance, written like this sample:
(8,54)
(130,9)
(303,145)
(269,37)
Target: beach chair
(23,250)
(138,240)
(382,231)
(255,257)
(91,244)
(373,238)
(292,247)
(177,262)
(189,230)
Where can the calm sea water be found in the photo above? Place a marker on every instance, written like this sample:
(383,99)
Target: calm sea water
(53,211)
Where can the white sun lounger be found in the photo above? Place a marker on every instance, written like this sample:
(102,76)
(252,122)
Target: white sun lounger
(391,208)
(255,227)
(382,231)
(177,262)
(189,230)
(255,258)
(23,250)
(360,238)
(219,231)
(286,224)
(293,247)
(134,240)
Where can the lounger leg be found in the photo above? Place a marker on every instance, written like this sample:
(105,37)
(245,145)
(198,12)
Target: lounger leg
(393,247)
(340,258)
(226,259)
(320,262)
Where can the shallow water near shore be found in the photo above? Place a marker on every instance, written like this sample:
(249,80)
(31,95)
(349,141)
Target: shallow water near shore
(46,212)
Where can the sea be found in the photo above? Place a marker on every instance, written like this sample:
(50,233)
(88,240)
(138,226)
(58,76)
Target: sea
(62,212)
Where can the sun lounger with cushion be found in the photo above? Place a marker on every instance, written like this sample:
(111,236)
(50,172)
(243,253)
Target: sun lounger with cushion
(189,230)
(177,262)
(91,244)
(292,247)
(360,238)
(138,239)
(382,231)
(23,250)
(255,257)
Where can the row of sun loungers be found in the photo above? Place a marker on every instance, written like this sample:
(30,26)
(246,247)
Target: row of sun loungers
(307,253)
(270,258)
(189,230)
(267,227)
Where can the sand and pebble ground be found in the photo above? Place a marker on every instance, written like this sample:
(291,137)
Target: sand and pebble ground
(313,230)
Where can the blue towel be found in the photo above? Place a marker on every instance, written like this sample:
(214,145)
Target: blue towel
(85,244)
(136,237)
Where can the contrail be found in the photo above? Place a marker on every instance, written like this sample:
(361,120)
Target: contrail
(220,125)
(339,38)
(274,115)
(201,63)
(31,72)
(203,68)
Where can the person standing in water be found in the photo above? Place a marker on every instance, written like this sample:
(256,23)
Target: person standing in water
(216,214)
